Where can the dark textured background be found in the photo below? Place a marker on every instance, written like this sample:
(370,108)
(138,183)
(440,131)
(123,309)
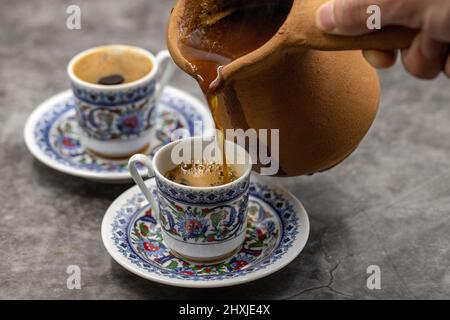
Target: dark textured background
(388,204)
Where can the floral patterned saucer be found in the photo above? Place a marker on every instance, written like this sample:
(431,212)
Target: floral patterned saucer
(278,228)
(51,134)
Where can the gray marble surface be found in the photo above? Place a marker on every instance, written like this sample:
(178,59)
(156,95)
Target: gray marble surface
(387,205)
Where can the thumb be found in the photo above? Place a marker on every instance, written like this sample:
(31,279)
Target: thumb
(349,17)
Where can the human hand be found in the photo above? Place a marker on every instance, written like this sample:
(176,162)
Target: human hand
(429,52)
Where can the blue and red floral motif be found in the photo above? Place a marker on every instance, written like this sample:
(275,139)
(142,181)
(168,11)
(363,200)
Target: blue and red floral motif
(272,227)
(192,226)
(131,123)
(115,122)
(68,142)
(115,115)
(203,224)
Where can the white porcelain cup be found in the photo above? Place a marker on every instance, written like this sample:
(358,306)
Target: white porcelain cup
(115,120)
(200,224)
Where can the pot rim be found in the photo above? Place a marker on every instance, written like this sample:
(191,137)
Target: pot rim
(281,41)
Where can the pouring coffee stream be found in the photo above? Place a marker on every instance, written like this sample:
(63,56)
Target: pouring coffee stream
(258,64)
(209,48)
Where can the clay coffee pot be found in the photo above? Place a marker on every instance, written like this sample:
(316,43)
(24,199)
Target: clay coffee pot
(316,88)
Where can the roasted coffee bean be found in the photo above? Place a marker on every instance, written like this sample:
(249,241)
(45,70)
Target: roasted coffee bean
(111,80)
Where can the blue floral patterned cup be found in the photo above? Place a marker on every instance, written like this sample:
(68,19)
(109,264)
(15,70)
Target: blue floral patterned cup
(115,120)
(200,224)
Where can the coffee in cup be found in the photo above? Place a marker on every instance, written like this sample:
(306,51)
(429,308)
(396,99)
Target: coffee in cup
(113,65)
(201,174)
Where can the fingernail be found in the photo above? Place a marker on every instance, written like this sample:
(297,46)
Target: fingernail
(325,17)
(380,59)
(432,49)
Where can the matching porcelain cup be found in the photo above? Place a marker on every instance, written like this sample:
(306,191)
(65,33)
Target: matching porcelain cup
(200,224)
(115,120)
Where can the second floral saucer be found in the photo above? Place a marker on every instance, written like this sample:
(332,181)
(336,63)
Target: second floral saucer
(51,134)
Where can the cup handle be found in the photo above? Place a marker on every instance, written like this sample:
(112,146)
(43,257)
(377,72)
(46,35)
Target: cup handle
(144,160)
(166,71)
